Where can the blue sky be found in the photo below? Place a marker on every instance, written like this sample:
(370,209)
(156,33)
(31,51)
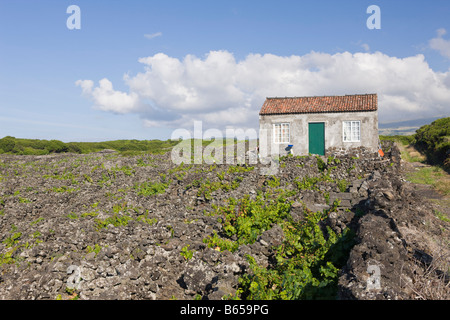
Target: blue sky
(166,64)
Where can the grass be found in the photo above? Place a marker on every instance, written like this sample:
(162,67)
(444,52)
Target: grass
(434,176)
(441,216)
(404,143)
(410,154)
(403,140)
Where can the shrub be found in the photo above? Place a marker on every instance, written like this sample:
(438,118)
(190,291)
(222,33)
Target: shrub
(342,185)
(125,147)
(56,146)
(7,144)
(434,140)
(74,148)
(306,263)
(186,253)
(321,165)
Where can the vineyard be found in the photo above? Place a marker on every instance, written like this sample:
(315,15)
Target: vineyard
(107,225)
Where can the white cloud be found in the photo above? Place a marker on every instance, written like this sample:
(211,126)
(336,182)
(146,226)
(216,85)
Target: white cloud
(107,99)
(440,44)
(153,35)
(86,86)
(221,91)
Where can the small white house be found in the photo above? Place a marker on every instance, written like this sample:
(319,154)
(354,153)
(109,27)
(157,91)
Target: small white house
(314,125)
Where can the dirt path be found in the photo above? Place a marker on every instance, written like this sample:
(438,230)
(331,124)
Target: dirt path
(439,197)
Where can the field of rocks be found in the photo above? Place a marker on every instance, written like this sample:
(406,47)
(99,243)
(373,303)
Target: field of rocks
(107,226)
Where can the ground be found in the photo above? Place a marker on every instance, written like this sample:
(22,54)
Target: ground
(106,226)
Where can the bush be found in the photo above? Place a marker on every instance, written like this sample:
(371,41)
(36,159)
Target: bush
(18,149)
(321,165)
(33,151)
(56,146)
(306,264)
(74,148)
(434,141)
(342,185)
(404,140)
(7,144)
(125,147)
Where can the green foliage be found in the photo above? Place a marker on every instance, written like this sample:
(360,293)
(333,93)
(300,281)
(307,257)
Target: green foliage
(250,218)
(88,178)
(40,147)
(350,169)
(145,219)
(307,183)
(96,248)
(142,162)
(89,214)
(56,146)
(12,240)
(306,263)
(125,169)
(434,176)
(186,253)
(331,160)
(342,185)
(206,188)
(434,140)
(115,220)
(66,175)
(441,216)
(36,221)
(273,182)
(7,257)
(7,144)
(72,216)
(321,165)
(239,169)
(404,140)
(221,175)
(32,146)
(246,219)
(24,200)
(220,244)
(150,188)
(63,189)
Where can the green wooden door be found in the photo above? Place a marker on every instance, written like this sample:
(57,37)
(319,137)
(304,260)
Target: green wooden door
(317,138)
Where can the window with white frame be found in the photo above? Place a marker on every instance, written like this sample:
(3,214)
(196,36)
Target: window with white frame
(281,133)
(352,131)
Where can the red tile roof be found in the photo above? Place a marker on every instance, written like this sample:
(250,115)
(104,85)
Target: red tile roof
(347,103)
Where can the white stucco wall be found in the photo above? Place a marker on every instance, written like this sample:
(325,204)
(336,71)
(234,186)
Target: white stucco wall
(333,130)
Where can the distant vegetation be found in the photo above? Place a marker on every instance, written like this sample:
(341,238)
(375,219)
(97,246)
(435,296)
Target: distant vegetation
(432,140)
(17,146)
